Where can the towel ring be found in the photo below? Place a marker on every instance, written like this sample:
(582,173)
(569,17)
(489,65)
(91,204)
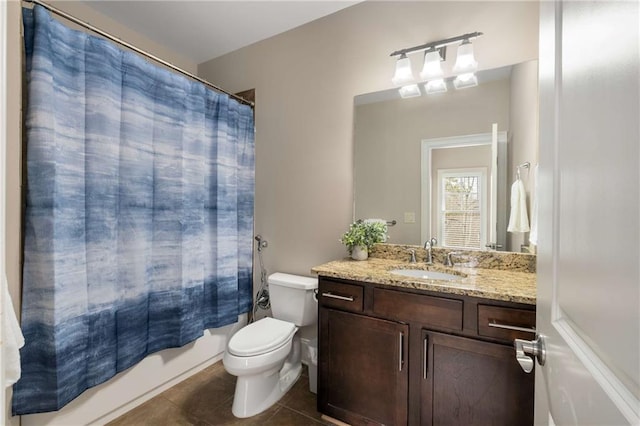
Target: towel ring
(524,165)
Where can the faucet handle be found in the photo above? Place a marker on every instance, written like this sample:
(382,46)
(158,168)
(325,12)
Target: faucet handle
(413,256)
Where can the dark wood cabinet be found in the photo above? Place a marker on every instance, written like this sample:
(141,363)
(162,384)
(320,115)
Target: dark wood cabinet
(395,357)
(471,382)
(363,372)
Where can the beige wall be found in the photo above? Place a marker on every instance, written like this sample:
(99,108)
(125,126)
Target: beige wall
(12,170)
(3,150)
(13,132)
(305,82)
(387,138)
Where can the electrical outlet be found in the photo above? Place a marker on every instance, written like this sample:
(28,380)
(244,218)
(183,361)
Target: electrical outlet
(409,217)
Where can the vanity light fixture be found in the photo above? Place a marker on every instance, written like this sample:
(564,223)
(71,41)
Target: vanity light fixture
(432,70)
(435,54)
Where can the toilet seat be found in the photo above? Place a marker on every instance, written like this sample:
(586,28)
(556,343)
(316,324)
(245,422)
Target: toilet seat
(261,337)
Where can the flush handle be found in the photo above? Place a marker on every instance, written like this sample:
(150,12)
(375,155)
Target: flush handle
(524,348)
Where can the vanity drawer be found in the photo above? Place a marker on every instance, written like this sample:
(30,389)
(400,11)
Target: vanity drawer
(428,310)
(506,323)
(339,295)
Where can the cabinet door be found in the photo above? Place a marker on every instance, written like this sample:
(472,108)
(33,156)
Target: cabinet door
(363,368)
(470,382)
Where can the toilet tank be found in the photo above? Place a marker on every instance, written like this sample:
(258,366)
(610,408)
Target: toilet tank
(293,299)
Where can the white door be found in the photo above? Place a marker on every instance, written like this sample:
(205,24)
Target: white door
(589,223)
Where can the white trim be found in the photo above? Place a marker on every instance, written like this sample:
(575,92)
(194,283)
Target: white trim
(617,392)
(428,145)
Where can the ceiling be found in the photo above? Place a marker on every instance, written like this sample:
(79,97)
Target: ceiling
(203,30)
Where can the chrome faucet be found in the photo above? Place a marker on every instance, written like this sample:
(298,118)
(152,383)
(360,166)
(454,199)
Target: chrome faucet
(427,246)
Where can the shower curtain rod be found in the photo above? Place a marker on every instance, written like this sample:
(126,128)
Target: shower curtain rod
(136,49)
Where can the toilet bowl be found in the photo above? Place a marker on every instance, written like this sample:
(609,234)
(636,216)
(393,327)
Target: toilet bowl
(265,355)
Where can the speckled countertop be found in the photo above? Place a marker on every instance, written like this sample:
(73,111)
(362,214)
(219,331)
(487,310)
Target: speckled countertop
(496,284)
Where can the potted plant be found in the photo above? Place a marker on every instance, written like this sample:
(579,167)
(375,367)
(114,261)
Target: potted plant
(361,237)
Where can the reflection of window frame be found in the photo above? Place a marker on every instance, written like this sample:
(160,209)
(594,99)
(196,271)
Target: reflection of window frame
(481,174)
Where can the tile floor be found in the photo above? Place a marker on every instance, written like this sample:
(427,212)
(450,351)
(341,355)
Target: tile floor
(205,400)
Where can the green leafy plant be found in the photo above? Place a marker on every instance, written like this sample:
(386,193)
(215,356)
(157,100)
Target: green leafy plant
(364,234)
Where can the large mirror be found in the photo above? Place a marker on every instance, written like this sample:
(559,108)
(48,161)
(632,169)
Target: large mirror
(421,161)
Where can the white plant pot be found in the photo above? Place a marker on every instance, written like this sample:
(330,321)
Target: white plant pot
(359,253)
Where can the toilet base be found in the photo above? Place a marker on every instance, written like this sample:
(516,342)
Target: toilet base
(256,393)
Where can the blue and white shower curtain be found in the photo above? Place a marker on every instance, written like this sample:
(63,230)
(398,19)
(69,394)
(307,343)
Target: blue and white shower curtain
(139,212)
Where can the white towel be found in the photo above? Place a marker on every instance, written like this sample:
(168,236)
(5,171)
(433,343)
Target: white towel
(533,235)
(518,220)
(13,338)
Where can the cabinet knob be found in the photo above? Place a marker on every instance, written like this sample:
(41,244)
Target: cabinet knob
(530,347)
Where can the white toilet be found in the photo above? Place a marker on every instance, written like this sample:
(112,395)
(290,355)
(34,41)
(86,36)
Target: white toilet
(265,355)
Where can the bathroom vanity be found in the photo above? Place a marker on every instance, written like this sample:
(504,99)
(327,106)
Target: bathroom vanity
(397,350)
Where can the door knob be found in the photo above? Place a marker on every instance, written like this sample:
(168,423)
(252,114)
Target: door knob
(524,348)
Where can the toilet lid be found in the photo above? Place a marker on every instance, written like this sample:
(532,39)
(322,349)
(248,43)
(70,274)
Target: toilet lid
(261,336)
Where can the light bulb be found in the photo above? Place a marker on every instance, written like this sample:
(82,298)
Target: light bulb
(466,80)
(465,62)
(409,91)
(432,68)
(435,86)
(403,72)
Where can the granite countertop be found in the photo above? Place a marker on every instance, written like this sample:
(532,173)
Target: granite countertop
(494,284)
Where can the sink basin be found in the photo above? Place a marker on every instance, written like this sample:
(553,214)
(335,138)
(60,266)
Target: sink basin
(425,275)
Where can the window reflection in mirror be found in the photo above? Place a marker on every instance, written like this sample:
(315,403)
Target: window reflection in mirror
(462,213)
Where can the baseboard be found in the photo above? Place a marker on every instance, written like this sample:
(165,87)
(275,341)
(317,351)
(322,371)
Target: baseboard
(334,421)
